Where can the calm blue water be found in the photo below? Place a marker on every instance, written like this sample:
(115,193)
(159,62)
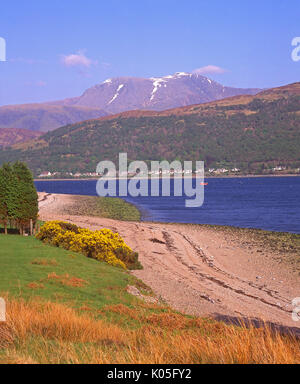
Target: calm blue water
(271,203)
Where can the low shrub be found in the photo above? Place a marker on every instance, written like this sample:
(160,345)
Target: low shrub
(103,245)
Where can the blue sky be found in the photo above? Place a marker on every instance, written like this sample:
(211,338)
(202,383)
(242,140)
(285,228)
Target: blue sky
(58,48)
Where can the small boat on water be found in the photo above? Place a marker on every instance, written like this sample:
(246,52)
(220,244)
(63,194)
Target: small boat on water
(204,184)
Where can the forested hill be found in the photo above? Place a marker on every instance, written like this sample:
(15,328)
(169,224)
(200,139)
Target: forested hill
(11,136)
(250,132)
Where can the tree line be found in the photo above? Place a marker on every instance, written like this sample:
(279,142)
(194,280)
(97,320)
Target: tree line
(18,198)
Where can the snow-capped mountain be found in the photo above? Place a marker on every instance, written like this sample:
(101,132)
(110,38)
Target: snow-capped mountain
(129,93)
(119,95)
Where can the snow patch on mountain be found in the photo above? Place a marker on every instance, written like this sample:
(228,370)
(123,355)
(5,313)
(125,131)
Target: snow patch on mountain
(116,94)
(157,83)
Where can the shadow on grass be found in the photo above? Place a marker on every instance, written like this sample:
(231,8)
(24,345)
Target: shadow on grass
(257,323)
(11,231)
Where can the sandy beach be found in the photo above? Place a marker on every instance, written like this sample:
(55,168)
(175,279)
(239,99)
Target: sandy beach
(198,270)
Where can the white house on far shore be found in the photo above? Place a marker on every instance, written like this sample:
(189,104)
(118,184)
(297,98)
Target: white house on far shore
(45,174)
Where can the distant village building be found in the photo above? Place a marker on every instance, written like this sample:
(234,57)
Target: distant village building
(90,174)
(279,168)
(221,170)
(45,174)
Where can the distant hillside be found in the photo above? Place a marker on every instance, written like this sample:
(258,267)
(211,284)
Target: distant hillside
(249,132)
(159,93)
(44,117)
(11,136)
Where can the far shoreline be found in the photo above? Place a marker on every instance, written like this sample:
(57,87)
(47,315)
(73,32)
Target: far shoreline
(194,176)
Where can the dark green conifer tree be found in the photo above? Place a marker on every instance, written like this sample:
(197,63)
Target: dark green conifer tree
(27,198)
(3,202)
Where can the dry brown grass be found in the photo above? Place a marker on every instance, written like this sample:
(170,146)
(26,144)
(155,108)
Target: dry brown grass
(123,310)
(44,262)
(57,322)
(6,335)
(67,280)
(40,332)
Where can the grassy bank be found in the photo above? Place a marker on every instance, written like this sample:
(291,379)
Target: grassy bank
(30,268)
(108,207)
(65,308)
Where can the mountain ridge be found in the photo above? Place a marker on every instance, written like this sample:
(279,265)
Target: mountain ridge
(118,95)
(44,117)
(122,94)
(293,88)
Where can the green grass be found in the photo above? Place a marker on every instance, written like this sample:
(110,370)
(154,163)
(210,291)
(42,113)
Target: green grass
(126,331)
(116,208)
(108,207)
(22,269)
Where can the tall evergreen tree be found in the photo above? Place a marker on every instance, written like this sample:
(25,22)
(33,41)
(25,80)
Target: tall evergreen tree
(27,202)
(18,196)
(9,193)
(3,202)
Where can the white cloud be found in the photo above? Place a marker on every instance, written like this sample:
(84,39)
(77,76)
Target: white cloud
(209,69)
(78,59)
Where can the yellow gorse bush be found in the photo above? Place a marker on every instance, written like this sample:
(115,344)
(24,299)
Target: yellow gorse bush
(103,245)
